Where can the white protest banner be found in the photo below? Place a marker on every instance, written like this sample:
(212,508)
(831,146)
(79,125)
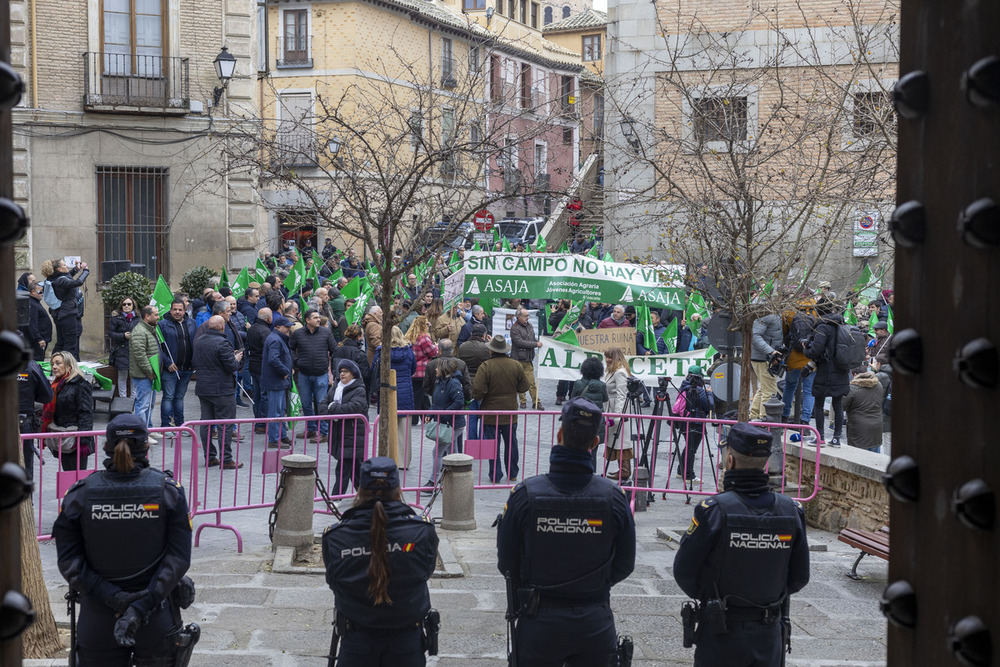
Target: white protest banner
(504,318)
(453,286)
(576,277)
(560,361)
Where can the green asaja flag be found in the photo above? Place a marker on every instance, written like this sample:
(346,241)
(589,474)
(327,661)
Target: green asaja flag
(293,283)
(224,278)
(644,325)
(569,337)
(670,336)
(850,317)
(352,290)
(357,311)
(162,296)
(505,245)
(607,257)
(541,245)
(496,235)
(261,271)
(475,245)
(864,280)
(571,316)
(454,260)
(294,402)
(317,258)
(889,323)
(872,321)
(564,248)
(154,361)
(310,281)
(336,275)
(696,304)
(241,283)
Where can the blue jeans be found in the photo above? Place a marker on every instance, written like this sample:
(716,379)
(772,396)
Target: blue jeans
(144,399)
(172,403)
(312,391)
(791,382)
(243,378)
(508,432)
(259,398)
(276,408)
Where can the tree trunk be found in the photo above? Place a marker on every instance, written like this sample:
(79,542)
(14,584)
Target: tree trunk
(746,371)
(41,639)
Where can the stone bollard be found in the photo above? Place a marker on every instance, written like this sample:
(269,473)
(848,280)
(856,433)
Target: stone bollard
(458,504)
(641,494)
(294,523)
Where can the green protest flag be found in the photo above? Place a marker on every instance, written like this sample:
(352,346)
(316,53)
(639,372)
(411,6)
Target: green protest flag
(644,325)
(608,257)
(155,363)
(696,304)
(241,283)
(505,245)
(864,280)
(261,271)
(294,402)
(569,337)
(224,278)
(357,311)
(710,354)
(352,290)
(496,234)
(310,280)
(769,287)
(541,245)
(850,317)
(872,321)
(670,336)
(593,235)
(317,258)
(162,297)
(295,277)
(564,248)
(336,275)
(571,316)
(454,259)
(594,252)
(805,275)
(889,323)
(475,245)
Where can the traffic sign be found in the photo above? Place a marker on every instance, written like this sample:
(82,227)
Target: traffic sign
(483,220)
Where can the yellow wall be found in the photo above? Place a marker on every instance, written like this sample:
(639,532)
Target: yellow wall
(573,41)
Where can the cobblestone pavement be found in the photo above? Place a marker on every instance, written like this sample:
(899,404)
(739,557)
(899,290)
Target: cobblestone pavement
(251,616)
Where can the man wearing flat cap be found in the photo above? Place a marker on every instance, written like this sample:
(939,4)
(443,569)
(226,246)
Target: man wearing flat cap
(744,554)
(564,539)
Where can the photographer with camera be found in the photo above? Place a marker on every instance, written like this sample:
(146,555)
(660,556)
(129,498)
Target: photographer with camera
(698,403)
(744,554)
(766,359)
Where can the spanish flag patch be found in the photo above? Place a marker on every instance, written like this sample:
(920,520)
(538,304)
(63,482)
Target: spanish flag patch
(408,546)
(595,522)
(784,538)
(151,507)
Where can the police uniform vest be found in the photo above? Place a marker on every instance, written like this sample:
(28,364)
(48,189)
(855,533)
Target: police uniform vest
(750,567)
(569,528)
(124,524)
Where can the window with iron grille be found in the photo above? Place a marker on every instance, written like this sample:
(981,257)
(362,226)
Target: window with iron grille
(447,60)
(871,111)
(591,48)
(720,119)
(132,217)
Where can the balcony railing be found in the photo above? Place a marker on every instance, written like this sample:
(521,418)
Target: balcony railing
(135,83)
(294,51)
(294,148)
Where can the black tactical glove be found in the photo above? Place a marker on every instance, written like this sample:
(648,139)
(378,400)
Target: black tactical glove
(121,600)
(126,626)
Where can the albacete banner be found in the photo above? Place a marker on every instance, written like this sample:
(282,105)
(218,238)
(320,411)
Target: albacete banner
(561,361)
(576,277)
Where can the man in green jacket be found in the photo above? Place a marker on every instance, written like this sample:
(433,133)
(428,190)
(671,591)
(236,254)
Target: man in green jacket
(143,352)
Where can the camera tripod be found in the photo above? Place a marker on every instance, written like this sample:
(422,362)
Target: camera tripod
(662,399)
(633,406)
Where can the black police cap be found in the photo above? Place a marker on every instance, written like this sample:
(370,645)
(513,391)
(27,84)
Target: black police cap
(582,412)
(379,473)
(749,440)
(129,426)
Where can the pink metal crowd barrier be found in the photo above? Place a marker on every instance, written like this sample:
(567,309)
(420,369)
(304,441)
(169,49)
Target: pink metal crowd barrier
(660,444)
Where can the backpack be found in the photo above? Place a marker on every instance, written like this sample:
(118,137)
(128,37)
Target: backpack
(849,348)
(49,296)
(680,404)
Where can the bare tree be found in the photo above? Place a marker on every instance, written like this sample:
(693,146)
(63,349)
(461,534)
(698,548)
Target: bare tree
(388,158)
(762,153)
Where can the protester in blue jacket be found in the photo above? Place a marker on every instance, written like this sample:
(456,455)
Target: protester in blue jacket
(276,378)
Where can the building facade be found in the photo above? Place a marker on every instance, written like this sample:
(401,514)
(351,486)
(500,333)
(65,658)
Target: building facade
(116,141)
(779,107)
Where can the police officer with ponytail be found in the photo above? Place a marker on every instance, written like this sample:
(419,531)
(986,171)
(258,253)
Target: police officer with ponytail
(123,540)
(744,554)
(378,561)
(564,539)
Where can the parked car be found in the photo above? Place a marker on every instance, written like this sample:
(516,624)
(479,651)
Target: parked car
(521,230)
(452,236)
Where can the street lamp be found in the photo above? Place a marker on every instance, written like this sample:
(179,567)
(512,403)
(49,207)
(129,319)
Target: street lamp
(333,146)
(628,130)
(225,65)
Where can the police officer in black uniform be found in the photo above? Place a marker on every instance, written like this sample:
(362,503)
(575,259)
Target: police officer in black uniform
(744,553)
(123,541)
(565,538)
(378,560)
(32,387)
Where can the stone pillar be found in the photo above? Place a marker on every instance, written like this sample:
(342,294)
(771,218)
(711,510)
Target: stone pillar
(457,500)
(294,524)
(773,408)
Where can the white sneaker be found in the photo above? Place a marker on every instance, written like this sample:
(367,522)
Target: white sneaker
(151,440)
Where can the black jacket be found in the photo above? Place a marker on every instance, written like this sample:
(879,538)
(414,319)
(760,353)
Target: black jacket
(215,364)
(39,327)
(351,349)
(347,436)
(32,387)
(67,290)
(118,326)
(75,407)
(410,568)
(829,380)
(473,353)
(312,350)
(258,333)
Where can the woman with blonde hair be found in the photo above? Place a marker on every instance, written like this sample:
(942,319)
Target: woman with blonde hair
(424,349)
(401,360)
(619,441)
(71,409)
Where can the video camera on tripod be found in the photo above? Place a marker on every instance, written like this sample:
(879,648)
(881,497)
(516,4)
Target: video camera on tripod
(635,388)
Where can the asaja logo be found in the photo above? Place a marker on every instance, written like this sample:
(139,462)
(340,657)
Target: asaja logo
(627,296)
(474,286)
